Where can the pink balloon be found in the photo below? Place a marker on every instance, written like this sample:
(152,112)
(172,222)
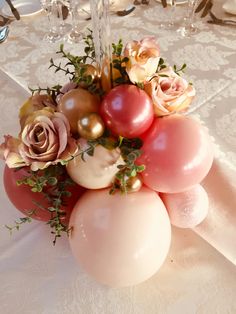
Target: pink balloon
(187,209)
(26,201)
(177,153)
(127,110)
(120,240)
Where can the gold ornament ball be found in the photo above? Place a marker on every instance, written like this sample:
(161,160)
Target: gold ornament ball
(89,70)
(91,126)
(134,184)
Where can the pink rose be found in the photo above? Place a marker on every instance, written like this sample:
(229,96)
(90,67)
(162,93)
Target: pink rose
(169,92)
(143,57)
(65,89)
(46,140)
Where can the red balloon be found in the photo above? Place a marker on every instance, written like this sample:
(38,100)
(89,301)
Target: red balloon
(127,111)
(177,154)
(23,198)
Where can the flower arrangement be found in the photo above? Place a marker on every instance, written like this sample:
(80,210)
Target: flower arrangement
(115,150)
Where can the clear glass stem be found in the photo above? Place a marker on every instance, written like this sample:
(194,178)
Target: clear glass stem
(52,11)
(64,27)
(75,35)
(190,15)
(102,37)
(189,28)
(173,5)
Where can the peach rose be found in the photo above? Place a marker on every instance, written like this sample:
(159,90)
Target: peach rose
(143,57)
(34,103)
(169,92)
(9,151)
(46,140)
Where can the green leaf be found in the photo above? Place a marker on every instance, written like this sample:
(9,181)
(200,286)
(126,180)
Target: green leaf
(140,168)
(52,209)
(52,181)
(133,173)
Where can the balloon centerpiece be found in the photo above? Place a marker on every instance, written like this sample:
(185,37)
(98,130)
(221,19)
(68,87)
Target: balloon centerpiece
(111,160)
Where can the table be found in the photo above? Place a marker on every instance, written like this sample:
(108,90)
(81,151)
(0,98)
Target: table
(38,278)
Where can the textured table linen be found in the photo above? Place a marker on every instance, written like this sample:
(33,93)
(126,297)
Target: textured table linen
(37,278)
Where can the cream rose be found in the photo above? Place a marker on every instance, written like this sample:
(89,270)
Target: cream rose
(169,92)
(46,140)
(143,57)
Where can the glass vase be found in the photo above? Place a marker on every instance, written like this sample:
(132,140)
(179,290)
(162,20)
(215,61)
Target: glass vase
(102,40)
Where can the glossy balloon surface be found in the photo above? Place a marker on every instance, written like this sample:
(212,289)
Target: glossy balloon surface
(97,171)
(187,209)
(177,153)
(91,126)
(75,104)
(120,240)
(127,111)
(23,198)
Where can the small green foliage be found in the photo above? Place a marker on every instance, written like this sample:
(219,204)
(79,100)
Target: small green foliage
(18,223)
(161,65)
(119,63)
(180,70)
(140,85)
(117,48)
(53,91)
(130,151)
(75,65)
(53,182)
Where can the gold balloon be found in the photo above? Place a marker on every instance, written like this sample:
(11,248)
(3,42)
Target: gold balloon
(134,184)
(91,126)
(77,103)
(89,70)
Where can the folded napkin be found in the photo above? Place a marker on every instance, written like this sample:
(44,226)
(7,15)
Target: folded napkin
(230,7)
(219,228)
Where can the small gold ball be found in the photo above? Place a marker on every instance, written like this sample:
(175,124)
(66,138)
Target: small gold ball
(134,184)
(91,126)
(89,70)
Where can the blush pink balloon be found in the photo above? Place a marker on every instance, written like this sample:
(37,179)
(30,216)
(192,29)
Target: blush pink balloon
(187,209)
(127,110)
(118,239)
(177,153)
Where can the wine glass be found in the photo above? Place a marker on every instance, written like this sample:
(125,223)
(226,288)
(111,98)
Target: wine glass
(63,11)
(189,28)
(170,23)
(51,8)
(75,35)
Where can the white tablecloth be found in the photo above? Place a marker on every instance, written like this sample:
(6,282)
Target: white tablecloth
(37,278)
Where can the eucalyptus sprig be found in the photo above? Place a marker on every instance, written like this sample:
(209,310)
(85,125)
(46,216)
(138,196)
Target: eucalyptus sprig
(76,61)
(18,223)
(53,91)
(119,63)
(53,182)
(76,66)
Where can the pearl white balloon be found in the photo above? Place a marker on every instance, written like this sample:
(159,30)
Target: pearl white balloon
(97,171)
(187,209)
(120,240)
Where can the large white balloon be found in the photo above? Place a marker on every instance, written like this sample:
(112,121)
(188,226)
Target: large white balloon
(120,240)
(97,171)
